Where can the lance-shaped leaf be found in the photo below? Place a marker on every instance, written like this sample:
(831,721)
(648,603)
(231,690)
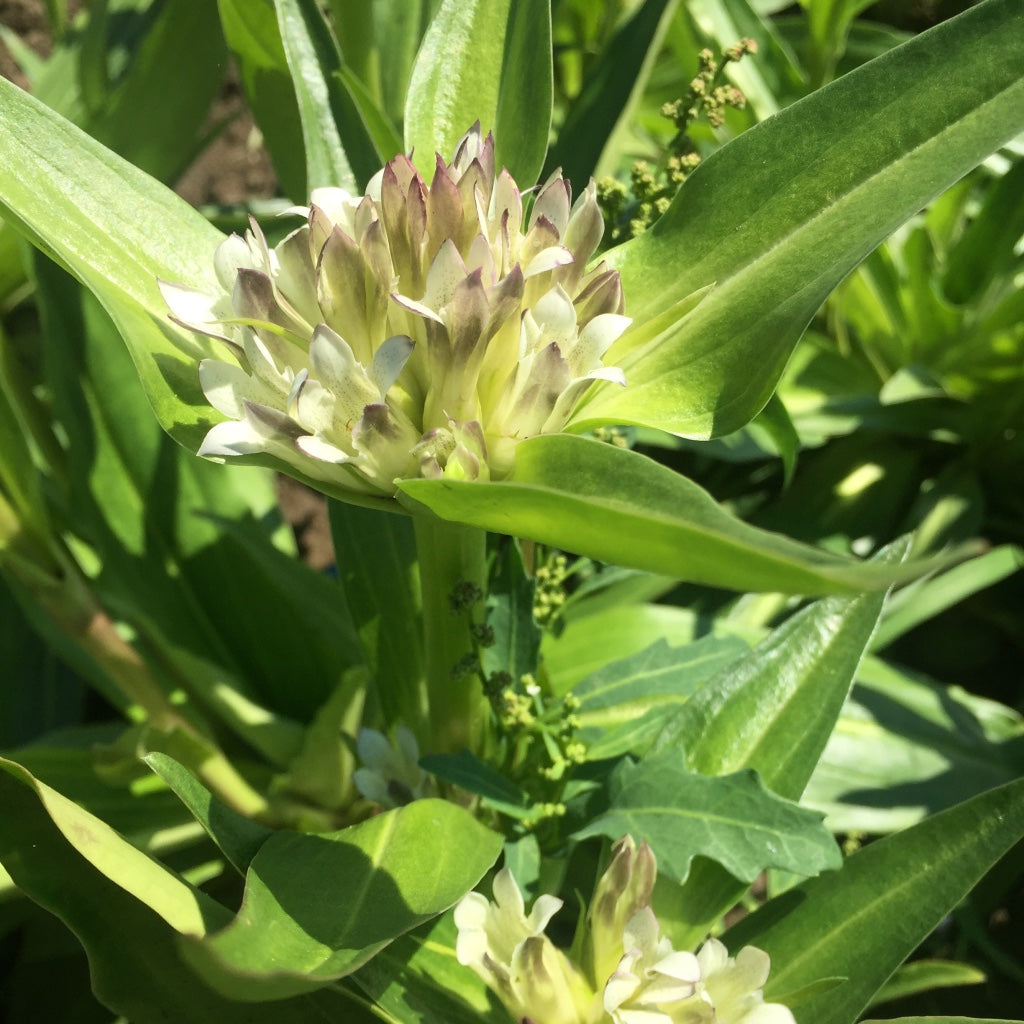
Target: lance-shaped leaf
(772,711)
(731,819)
(487,61)
(134,964)
(316,907)
(864,921)
(179,904)
(778,217)
(117,230)
(339,150)
(621,507)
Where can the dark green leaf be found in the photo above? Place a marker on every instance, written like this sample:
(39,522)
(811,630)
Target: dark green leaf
(851,925)
(317,907)
(475,776)
(775,219)
(239,838)
(731,819)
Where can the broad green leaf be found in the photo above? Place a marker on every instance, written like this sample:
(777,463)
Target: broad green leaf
(239,838)
(118,231)
(316,907)
(849,925)
(772,711)
(486,61)
(182,907)
(775,219)
(660,678)
(731,819)
(792,684)
(339,151)
(621,507)
(253,34)
(134,963)
(906,746)
(590,642)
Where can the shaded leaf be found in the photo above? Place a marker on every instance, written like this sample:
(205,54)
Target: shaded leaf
(316,907)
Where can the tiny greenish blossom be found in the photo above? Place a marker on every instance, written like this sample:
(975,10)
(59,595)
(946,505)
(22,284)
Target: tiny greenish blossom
(629,972)
(391,774)
(417,330)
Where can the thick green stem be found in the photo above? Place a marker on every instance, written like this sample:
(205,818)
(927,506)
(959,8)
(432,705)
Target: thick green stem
(453,561)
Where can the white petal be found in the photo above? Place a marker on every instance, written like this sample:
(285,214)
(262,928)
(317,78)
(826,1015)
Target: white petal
(232,254)
(232,438)
(595,339)
(471,911)
(768,1013)
(444,275)
(548,259)
(543,910)
(336,367)
(415,307)
(680,966)
(389,360)
(197,310)
(324,451)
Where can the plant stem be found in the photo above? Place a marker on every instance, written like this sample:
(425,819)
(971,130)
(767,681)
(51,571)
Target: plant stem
(453,559)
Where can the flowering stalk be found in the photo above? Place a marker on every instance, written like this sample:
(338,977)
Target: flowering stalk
(416,331)
(453,577)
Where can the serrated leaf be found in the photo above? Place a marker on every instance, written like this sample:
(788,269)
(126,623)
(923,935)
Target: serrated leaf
(731,819)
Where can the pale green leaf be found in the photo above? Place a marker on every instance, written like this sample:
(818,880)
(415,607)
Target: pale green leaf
(618,506)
